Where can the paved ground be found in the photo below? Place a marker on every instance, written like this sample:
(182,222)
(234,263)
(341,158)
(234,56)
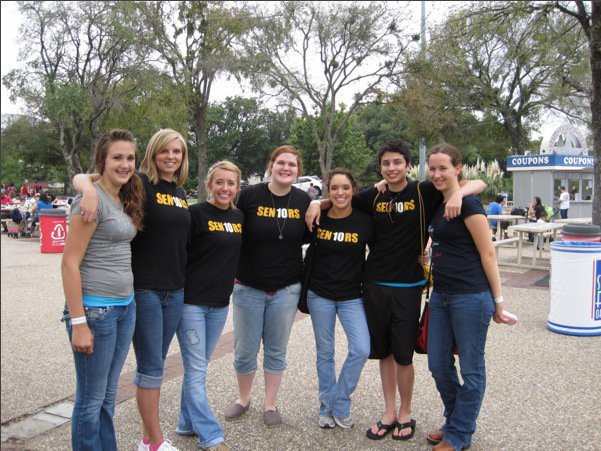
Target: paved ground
(543,388)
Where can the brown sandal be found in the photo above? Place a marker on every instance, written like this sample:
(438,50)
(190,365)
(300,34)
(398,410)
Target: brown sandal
(435,437)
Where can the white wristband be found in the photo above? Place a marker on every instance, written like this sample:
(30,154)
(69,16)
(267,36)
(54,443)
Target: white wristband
(316,201)
(499,300)
(79,320)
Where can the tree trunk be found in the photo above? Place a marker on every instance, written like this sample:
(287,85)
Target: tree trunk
(199,114)
(595,46)
(514,127)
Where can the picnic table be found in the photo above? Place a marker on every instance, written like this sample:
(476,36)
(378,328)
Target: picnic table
(514,219)
(542,232)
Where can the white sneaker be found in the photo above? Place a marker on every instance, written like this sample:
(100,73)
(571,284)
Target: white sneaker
(326,422)
(167,446)
(143,447)
(345,423)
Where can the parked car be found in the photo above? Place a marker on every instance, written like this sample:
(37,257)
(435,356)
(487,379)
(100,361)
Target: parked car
(305,181)
(63,202)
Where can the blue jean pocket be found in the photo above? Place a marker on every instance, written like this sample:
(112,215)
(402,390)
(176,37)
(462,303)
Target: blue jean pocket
(97,313)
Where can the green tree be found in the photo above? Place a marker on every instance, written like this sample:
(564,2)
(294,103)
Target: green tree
(77,54)
(30,151)
(350,152)
(154,104)
(196,41)
(313,53)
(499,59)
(589,21)
(244,132)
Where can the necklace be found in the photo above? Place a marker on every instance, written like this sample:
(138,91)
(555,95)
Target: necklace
(391,204)
(277,220)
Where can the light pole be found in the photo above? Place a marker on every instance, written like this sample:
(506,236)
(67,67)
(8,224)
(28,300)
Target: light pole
(422,141)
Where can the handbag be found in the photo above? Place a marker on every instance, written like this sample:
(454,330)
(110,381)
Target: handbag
(307,268)
(422,226)
(421,344)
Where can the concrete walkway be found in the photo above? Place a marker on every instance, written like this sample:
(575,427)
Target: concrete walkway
(542,389)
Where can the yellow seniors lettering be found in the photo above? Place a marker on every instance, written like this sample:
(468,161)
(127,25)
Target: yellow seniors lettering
(382,207)
(324,234)
(168,199)
(215,226)
(266,212)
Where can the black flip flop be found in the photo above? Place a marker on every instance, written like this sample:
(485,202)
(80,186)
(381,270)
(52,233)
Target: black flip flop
(381,427)
(399,426)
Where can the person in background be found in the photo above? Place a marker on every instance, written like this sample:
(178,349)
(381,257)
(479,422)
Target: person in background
(312,191)
(465,296)
(267,286)
(213,252)
(393,278)
(42,202)
(6,199)
(564,202)
(497,208)
(24,193)
(159,263)
(535,208)
(335,291)
(541,220)
(100,310)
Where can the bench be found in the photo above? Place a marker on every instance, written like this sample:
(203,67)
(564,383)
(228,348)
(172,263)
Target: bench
(498,243)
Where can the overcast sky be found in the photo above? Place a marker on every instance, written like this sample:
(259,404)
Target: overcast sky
(10,22)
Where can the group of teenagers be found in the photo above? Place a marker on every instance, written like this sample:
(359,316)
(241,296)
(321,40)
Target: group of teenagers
(141,265)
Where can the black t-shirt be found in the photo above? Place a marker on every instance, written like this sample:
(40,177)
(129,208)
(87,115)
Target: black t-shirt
(215,239)
(340,255)
(159,250)
(396,248)
(267,262)
(456,262)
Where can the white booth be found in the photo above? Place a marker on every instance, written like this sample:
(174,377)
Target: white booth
(563,161)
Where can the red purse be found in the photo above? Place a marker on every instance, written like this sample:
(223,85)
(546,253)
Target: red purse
(421,344)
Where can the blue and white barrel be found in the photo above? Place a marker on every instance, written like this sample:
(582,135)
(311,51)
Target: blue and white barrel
(575,288)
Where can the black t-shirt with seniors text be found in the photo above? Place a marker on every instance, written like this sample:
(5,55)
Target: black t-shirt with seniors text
(456,262)
(267,262)
(213,252)
(393,258)
(159,250)
(340,255)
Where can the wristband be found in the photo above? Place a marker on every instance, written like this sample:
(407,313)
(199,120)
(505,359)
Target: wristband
(78,320)
(499,300)
(317,201)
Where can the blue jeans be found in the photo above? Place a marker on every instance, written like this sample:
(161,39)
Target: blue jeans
(563,212)
(262,315)
(460,319)
(158,315)
(198,333)
(335,396)
(98,375)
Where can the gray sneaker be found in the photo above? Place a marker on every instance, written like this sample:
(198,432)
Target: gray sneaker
(326,422)
(344,423)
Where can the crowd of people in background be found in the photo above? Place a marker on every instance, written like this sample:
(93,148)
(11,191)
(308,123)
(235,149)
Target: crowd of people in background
(140,266)
(25,208)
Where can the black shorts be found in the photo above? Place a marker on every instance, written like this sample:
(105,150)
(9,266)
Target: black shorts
(393,320)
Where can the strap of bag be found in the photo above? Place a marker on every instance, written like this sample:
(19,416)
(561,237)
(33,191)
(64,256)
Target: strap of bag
(422,224)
